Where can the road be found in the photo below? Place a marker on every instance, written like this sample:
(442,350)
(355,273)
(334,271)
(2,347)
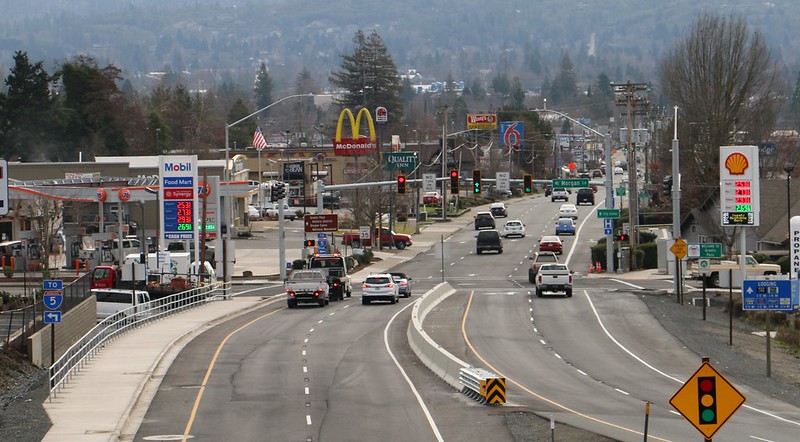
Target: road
(345,372)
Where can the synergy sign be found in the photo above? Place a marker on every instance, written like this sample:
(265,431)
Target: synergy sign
(356,145)
(739,185)
(178,178)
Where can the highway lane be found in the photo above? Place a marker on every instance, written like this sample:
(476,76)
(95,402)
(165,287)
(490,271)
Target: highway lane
(562,341)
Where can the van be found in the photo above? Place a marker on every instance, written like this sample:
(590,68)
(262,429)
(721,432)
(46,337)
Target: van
(112,301)
(129,245)
(489,240)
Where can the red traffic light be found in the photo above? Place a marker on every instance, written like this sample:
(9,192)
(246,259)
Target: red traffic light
(453,174)
(401,179)
(309,243)
(401,184)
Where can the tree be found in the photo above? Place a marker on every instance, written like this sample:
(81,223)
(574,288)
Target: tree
(517,94)
(565,85)
(26,111)
(369,77)
(725,83)
(263,88)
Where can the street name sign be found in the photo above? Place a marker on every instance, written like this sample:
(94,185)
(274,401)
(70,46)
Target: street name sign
(707,400)
(571,182)
(705,250)
(608,213)
(769,294)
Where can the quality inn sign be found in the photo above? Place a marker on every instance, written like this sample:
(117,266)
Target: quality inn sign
(402,161)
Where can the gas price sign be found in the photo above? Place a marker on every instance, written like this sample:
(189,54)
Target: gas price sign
(739,186)
(178,196)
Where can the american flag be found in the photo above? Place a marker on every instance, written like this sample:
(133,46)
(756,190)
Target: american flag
(258,139)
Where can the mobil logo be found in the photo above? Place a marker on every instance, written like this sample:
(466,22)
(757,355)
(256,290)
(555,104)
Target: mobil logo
(177,167)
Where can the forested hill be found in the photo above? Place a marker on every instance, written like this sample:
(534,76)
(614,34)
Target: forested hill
(470,39)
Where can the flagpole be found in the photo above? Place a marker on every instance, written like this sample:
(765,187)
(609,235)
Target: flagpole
(260,195)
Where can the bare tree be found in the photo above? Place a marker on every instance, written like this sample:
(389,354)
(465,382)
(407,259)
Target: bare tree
(723,79)
(46,216)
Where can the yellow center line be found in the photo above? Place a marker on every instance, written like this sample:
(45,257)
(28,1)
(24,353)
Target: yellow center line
(211,368)
(531,392)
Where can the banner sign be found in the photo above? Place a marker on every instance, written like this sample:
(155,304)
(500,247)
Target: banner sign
(402,161)
(512,134)
(356,145)
(295,171)
(178,196)
(482,121)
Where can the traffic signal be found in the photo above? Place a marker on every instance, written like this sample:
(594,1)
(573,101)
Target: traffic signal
(278,192)
(476,181)
(527,183)
(309,243)
(622,237)
(454,182)
(401,184)
(707,400)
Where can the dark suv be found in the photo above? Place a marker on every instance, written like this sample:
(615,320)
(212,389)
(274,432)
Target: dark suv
(484,219)
(585,195)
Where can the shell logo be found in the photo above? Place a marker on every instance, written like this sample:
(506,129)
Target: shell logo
(736,163)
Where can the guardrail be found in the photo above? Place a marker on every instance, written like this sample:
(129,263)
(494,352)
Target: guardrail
(483,385)
(121,322)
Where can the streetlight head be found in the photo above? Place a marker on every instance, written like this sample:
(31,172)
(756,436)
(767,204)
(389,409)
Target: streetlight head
(788,167)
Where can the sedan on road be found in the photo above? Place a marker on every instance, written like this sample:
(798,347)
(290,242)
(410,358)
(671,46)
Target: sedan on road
(551,244)
(380,287)
(498,210)
(568,211)
(403,282)
(565,226)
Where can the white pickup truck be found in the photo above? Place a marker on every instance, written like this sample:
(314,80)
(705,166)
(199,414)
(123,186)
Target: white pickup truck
(309,286)
(554,278)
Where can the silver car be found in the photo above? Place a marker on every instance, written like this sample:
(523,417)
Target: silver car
(404,282)
(380,287)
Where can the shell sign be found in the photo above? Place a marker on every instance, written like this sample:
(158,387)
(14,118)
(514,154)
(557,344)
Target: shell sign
(736,163)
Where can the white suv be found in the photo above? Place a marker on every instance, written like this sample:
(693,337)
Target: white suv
(559,194)
(380,287)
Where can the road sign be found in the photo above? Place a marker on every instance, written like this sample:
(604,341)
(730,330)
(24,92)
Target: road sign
(608,213)
(608,223)
(52,317)
(322,243)
(53,284)
(608,231)
(502,180)
(764,294)
(571,182)
(52,299)
(364,232)
(620,191)
(704,265)
(707,250)
(428,182)
(679,249)
(321,222)
(707,400)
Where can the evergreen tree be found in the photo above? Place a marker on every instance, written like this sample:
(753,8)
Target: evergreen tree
(369,77)
(517,94)
(565,86)
(263,88)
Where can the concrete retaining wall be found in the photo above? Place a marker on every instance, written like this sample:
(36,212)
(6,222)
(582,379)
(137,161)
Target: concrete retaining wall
(439,360)
(74,324)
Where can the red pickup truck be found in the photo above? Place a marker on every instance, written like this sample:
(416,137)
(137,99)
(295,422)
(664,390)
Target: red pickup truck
(399,240)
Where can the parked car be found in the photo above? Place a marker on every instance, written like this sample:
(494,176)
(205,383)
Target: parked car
(565,226)
(568,211)
(551,244)
(253,213)
(488,240)
(559,194)
(618,171)
(498,210)
(585,195)
(431,198)
(484,219)
(514,227)
(289,212)
(379,287)
(404,282)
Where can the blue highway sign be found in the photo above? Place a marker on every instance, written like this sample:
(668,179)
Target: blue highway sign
(759,294)
(52,317)
(52,299)
(53,284)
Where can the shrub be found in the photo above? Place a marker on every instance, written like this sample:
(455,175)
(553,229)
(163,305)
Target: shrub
(649,251)
(785,263)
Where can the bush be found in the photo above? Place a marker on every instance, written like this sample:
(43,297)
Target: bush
(785,263)
(649,251)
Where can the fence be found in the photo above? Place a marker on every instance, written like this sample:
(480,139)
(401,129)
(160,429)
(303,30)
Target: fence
(121,322)
(19,324)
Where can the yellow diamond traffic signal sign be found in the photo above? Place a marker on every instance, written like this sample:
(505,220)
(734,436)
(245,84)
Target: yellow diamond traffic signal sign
(707,400)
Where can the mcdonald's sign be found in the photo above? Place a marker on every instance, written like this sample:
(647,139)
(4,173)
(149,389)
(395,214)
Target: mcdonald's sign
(356,145)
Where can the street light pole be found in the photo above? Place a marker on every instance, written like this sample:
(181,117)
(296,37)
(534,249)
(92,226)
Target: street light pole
(227,269)
(789,168)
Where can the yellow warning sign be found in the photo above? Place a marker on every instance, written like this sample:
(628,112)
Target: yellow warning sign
(494,390)
(707,400)
(679,249)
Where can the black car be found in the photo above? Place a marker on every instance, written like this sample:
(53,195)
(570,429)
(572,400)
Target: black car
(484,219)
(585,195)
(548,189)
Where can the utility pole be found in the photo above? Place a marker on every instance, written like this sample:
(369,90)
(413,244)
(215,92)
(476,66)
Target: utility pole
(626,95)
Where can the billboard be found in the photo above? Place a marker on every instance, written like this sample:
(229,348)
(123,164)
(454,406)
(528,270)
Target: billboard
(355,145)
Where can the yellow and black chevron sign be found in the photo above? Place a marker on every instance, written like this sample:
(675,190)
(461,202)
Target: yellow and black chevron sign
(494,390)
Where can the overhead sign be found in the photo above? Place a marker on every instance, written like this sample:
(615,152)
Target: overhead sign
(679,249)
(739,186)
(4,187)
(707,400)
(608,213)
(178,196)
(571,182)
(705,250)
(321,222)
(482,121)
(761,294)
(428,182)
(503,181)
(355,145)
(403,161)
